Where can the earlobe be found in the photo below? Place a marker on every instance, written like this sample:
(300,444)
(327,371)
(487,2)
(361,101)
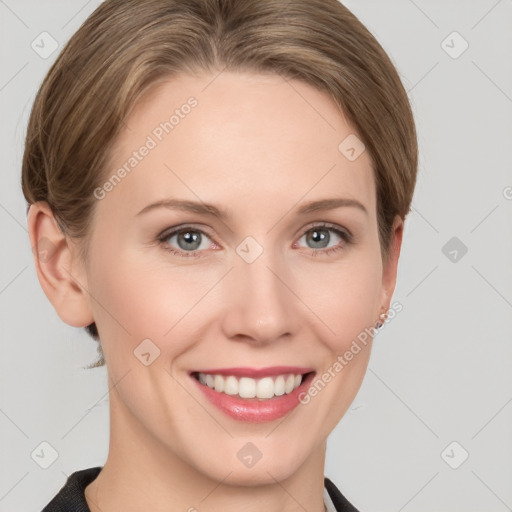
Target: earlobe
(59,270)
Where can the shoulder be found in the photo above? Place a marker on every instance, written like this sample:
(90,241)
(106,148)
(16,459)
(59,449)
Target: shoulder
(339,501)
(71,496)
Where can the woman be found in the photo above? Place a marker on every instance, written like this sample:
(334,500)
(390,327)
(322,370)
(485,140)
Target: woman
(276,140)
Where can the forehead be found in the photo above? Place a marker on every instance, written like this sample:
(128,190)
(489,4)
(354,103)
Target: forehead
(232,137)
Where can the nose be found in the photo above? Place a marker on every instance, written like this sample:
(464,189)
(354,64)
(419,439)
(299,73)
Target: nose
(260,306)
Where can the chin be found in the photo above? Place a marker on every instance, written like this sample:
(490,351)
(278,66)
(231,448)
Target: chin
(267,466)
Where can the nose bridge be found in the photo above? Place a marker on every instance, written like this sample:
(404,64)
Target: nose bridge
(260,306)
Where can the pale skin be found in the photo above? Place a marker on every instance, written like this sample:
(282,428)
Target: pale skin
(259,149)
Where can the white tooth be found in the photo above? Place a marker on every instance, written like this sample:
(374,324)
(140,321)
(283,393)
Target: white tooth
(247,387)
(290,381)
(265,388)
(219,383)
(279,386)
(231,386)
(209,380)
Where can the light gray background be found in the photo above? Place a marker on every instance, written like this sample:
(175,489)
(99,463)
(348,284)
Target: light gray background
(440,372)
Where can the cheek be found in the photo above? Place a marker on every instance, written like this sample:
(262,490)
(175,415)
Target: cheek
(343,296)
(346,298)
(138,299)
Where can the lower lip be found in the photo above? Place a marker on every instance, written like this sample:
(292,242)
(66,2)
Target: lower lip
(255,410)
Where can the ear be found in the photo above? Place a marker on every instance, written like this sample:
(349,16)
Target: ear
(59,269)
(390,266)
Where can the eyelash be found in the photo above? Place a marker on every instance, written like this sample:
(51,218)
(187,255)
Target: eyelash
(344,235)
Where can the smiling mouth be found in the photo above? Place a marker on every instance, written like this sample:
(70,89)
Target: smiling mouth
(248,388)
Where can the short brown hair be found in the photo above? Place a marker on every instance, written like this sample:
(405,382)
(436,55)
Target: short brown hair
(126,46)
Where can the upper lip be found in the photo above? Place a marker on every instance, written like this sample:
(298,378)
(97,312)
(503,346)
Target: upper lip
(256,373)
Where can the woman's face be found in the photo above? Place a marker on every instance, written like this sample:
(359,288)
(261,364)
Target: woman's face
(275,286)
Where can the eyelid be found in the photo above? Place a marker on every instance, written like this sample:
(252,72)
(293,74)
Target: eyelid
(167,232)
(342,231)
(171,231)
(330,225)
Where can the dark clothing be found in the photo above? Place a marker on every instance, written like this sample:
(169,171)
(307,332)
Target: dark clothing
(71,497)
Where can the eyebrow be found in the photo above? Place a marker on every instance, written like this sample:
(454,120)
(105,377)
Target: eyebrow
(214,211)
